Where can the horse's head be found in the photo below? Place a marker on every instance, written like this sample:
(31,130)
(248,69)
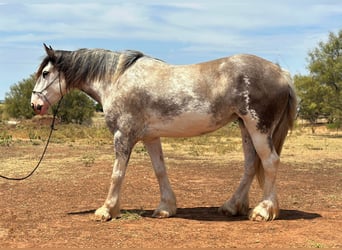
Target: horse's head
(50,87)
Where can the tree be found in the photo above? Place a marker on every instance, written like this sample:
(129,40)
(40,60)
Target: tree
(17,101)
(325,61)
(313,99)
(325,65)
(75,107)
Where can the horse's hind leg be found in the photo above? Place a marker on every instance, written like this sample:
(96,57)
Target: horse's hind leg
(268,208)
(238,204)
(167,206)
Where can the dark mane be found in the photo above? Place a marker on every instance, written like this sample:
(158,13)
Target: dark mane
(90,64)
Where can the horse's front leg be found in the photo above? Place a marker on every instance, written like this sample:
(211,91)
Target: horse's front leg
(167,206)
(111,207)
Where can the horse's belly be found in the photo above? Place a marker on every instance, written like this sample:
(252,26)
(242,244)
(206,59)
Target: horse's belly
(184,125)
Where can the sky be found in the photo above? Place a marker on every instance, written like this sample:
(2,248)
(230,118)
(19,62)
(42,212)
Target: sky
(176,31)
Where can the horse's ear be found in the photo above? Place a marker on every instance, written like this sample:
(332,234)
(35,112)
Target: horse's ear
(49,51)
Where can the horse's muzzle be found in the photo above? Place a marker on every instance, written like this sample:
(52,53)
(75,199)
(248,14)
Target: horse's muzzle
(37,108)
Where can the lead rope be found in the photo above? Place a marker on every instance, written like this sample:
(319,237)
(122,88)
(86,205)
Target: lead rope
(52,128)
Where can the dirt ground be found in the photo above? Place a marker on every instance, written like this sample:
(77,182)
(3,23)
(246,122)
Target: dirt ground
(54,208)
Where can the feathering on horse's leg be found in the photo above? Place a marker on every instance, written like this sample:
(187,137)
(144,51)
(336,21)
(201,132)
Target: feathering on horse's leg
(238,204)
(167,206)
(268,208)
(111,207)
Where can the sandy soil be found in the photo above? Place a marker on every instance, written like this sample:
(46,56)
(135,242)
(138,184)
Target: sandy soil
(54,208)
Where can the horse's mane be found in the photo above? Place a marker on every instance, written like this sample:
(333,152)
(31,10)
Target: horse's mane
(90,64)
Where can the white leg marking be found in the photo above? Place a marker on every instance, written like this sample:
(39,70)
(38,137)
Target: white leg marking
(111,207)
(268,208)
(167,206)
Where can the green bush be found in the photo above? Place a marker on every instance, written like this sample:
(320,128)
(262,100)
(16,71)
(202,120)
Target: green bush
(76,107)
(18,100)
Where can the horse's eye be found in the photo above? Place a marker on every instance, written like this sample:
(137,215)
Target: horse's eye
(45,73)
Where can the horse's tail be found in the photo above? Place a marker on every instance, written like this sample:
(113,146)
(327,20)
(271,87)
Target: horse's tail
(286,122)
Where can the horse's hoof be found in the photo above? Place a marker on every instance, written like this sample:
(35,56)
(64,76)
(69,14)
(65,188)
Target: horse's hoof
(265,211)
(163,213)
(226,211)
(102,214)
(233,208)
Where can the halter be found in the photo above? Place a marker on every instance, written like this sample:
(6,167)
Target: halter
(41,92)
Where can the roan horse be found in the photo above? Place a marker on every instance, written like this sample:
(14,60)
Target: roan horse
(144,98)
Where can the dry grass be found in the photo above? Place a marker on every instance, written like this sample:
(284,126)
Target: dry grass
(22,145)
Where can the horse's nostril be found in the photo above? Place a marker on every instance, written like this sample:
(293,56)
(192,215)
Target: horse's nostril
(32,106)
(39,107)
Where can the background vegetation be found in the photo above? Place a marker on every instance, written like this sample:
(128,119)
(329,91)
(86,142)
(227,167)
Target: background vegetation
(319,92)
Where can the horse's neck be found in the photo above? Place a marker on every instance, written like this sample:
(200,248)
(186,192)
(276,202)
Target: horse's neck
(95,90)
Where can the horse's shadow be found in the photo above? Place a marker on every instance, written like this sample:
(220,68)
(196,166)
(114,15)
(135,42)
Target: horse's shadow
(209,214)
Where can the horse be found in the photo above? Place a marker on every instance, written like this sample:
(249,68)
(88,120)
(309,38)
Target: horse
(144,99)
